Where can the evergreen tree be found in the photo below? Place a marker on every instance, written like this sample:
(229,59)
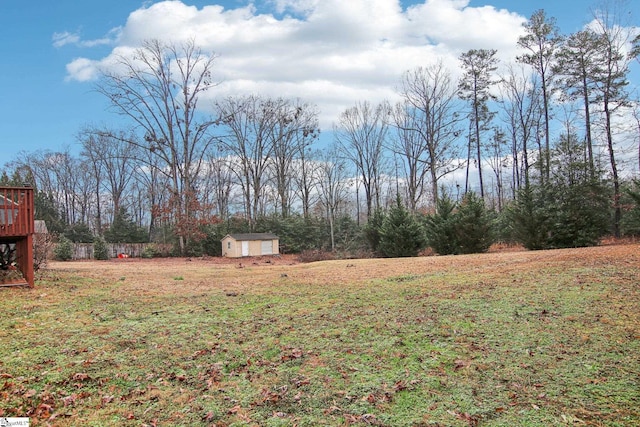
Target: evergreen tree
(63,250)
(630,224)
(541,41)
(372,230)
(401,235)
(578,200)
(569,210)
(79,233)
(45,209)
(473,225)
(528,219)
(124,230)
(100,250)
(441,228)
(579,64)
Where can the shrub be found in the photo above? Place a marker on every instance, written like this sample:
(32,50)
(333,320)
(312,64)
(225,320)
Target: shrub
(314,255)
(630,223)
(463,228)
(473,225)
(63,250)
(100,250)
(150,251)
(43,244)
(79,233)
(441,228)
(400,234)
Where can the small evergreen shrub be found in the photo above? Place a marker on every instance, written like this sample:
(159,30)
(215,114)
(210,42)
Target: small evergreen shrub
(100,250)
(441,228)
(150,251)
(463,228)
(63,250)
(401,235)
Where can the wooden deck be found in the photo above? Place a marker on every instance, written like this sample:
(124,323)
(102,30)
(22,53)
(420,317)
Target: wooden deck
(16,230)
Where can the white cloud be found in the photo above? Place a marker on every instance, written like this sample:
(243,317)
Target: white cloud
(67,38)
(82,69)
(330,52)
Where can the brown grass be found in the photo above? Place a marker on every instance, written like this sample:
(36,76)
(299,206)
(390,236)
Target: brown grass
(505,338)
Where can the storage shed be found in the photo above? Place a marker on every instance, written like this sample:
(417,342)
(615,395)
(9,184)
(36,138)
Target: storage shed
(250,244)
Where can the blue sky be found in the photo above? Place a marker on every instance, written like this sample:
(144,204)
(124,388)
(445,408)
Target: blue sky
(44,104)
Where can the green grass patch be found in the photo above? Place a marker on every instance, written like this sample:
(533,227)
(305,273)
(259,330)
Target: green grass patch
(552,344)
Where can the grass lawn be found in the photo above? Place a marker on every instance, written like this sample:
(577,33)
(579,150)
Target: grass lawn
(549,338)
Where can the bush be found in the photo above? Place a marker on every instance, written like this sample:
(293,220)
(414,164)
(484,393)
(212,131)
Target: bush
(43,244)
(460,229)
(63,250)
(400,234)
(630,224)
(100,250)
(314,255)
(125,230)
(441,228)
(150,251)
(79,233)
(473,226)
(559,216)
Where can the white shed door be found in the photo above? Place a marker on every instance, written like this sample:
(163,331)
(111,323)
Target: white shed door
(267,247)
(245,248)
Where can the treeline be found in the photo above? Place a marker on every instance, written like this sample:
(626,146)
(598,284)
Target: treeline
(543,151)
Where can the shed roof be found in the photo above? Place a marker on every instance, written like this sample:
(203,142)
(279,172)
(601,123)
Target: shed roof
(253,236)
(40,226)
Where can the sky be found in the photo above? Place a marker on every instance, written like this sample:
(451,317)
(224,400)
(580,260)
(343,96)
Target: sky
(332,53)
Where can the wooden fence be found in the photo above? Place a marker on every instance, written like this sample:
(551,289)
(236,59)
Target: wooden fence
(133,250)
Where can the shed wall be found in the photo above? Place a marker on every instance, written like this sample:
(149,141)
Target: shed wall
(232,248)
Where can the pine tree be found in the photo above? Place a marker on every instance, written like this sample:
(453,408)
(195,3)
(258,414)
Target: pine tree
(124,230)
(441,228)
(569,210)
(475,87)
(100,250)
(401,235)
(473,225)
(63,250)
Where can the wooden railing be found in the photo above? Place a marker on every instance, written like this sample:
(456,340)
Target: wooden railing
(16,211)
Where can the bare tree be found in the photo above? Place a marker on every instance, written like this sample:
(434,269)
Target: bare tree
(360,135)
(430,105)
(305,178)
(159,88)
(219,181)
(112,160)
(150,176)
(541,41)
(332,186)
(522,111)
(611,84)
(295,128)
(249,123)
(412,150)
